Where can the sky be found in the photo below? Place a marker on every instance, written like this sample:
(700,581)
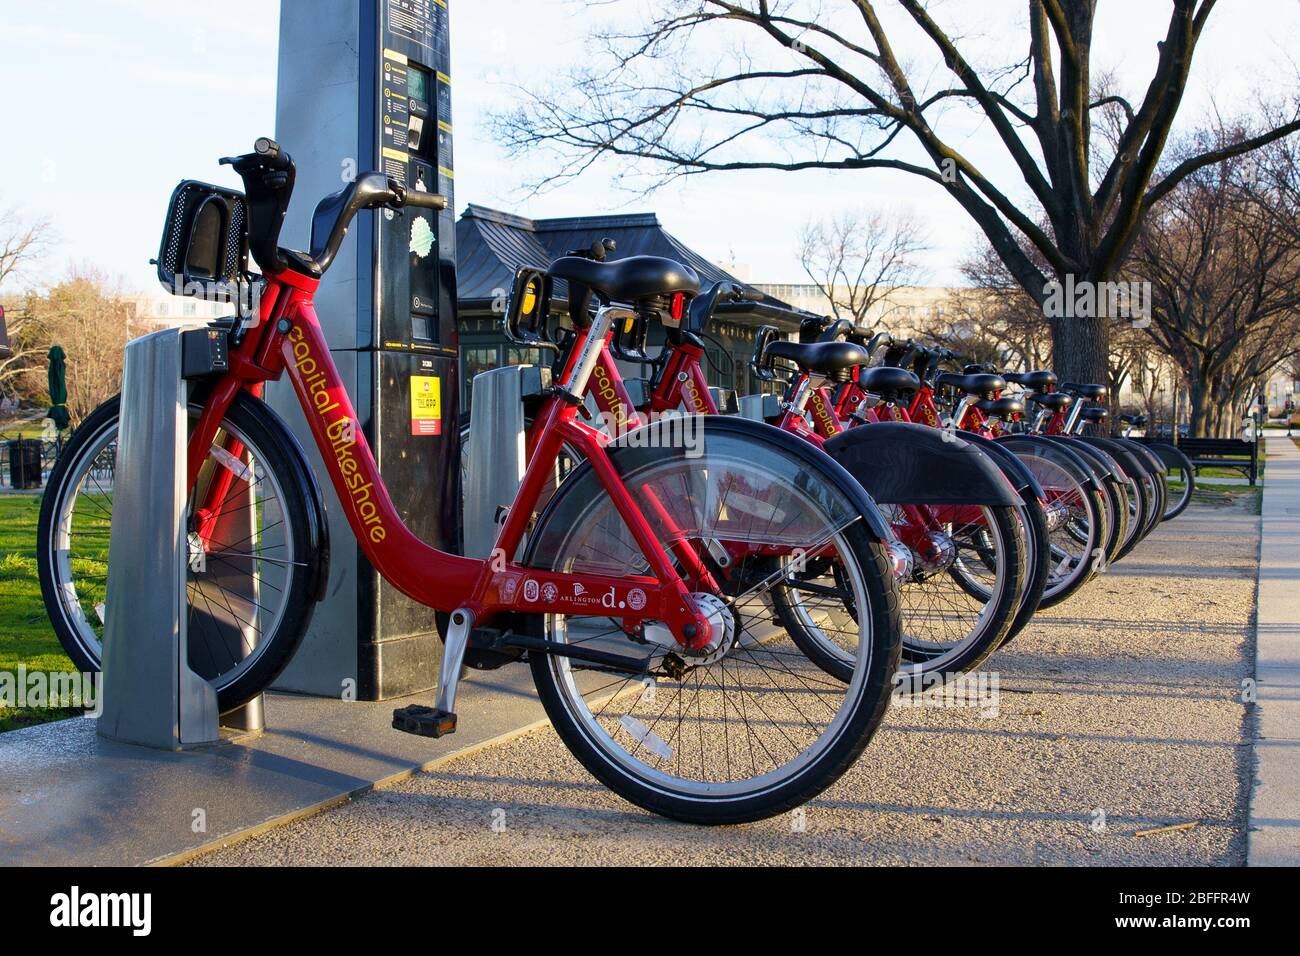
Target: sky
(106,104)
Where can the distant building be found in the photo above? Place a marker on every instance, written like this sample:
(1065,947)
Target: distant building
(163,308)
(903,310)
(1282,387)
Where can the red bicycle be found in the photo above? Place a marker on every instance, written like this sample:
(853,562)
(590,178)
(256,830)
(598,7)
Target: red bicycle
(638,595)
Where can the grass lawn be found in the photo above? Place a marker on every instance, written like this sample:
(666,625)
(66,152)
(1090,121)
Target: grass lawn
(1212,471)
(26,636)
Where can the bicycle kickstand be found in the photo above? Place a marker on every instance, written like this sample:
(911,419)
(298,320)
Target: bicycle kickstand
(440,720)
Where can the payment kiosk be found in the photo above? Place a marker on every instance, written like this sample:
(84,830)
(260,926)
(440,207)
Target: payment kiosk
(364,84)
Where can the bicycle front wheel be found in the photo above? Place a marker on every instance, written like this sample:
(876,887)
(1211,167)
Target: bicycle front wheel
(754,728)
(250,563)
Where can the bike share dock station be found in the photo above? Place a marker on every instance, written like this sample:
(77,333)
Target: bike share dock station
(159,775)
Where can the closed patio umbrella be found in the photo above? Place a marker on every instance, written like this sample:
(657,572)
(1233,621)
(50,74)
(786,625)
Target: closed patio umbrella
(58,388)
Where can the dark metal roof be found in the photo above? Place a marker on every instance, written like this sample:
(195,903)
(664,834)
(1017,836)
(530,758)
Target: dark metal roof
(492,245)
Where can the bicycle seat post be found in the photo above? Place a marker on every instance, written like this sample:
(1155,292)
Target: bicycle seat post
(576,385)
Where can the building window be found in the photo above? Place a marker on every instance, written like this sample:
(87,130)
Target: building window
(473,361)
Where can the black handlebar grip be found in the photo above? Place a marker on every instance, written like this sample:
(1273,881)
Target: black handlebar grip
(425,200)
(269,151)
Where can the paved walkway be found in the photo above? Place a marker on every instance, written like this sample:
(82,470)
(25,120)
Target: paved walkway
(1275,802)
(1120,714)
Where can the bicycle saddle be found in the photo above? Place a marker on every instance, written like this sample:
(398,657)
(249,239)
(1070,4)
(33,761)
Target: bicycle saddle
(831,359)
(979,384)
(1094,413)
(1090,391)
(1036,380)
(1056,401)
(1001,407)
(887,381)
(630,279)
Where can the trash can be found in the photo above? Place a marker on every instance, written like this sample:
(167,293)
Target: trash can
(25,463)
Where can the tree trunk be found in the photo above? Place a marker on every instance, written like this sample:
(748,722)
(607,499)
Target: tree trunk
(1201,406)
(1080,349)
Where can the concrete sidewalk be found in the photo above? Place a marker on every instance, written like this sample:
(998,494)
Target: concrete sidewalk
(1274,838)
(71,798)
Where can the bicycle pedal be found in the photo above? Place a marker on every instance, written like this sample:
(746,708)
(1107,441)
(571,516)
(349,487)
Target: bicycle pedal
(424,721)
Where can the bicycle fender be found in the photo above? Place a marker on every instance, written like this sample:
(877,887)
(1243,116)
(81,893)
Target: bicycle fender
(906,463)
(1055,452)
(1129,462)
(1151,459)
(1107,467)
(305,479)
(1017,471)
(1169,456)
(801,448)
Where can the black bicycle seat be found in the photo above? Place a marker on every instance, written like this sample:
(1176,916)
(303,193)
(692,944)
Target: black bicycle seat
(825,358)
(1036,380)
(1055,401)
(1094,413)
(979,384)
(1093,392)
(1002,407)
(885,380)
(630,279)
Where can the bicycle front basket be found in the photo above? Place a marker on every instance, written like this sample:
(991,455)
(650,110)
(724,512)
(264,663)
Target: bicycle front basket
(204,249)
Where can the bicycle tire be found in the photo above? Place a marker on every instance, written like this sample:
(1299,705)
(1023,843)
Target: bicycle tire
(579,496)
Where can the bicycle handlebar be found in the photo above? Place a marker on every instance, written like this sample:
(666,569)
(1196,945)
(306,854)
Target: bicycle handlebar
(268,173)
(728,297)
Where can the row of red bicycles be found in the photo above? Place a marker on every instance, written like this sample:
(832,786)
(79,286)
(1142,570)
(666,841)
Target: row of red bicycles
(716,626)
(1004,492)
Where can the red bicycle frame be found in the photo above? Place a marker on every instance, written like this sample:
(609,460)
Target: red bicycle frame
(288,338)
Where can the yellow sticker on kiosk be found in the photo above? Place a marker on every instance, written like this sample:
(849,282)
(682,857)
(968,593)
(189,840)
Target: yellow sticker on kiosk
(426,405)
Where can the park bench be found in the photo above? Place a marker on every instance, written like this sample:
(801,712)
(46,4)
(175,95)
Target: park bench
(1219,453)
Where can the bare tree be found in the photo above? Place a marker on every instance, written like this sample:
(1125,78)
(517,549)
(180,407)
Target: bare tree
(999,311)
(716,85)
(22,243)
(1223,260)
(91,318)
(857,258)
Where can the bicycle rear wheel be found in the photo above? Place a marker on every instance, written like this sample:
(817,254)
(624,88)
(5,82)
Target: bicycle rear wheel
(755,728)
